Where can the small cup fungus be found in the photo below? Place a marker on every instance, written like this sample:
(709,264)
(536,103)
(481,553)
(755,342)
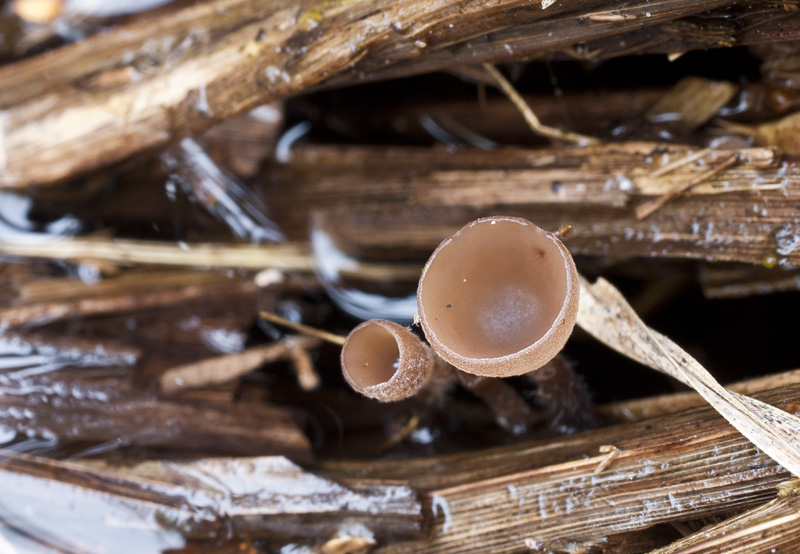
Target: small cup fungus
(499,298)
(385,361)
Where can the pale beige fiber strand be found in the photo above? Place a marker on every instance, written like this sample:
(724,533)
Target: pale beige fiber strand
(607,316)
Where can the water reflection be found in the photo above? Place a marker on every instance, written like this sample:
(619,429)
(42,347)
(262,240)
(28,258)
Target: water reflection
(330,262)
(17,226)
(219,192)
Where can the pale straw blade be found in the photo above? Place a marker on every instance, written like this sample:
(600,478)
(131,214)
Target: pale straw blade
(607,316)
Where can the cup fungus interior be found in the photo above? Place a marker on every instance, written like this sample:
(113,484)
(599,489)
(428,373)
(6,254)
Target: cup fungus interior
(370,355)
(495,288)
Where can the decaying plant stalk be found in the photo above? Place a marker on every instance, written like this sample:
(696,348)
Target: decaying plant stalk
(596,189)
(667,469)
(613,489)
(226,368)
(604,313)
(219,61)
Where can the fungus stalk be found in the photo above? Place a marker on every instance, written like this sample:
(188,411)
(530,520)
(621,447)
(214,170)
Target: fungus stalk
(563,396)
(511,411)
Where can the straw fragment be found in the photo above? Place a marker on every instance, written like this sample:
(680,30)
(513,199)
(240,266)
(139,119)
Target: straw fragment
(648,208)
(530,118)
(226,368)
(641,408)
(286,256)
(607,316)
(772,527)
(692,102)
(304,329)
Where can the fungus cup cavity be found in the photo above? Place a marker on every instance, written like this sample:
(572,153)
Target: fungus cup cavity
(385,361)
(499,298)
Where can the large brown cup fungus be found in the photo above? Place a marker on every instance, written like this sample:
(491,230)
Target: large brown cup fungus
(385,361)
(499,298)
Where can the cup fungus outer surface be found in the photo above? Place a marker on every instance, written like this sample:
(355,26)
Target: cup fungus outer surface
(385,361)
(499,298)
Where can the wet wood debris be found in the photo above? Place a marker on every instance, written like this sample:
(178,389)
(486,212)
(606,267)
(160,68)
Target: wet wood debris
(199,200)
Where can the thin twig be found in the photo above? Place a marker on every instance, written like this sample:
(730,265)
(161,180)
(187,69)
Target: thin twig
(305,329)
(285,256)
(221,369)
(288,256)
(611,452)
(565,231)
(307,376)
(686,160)
(530,117)
(651,206)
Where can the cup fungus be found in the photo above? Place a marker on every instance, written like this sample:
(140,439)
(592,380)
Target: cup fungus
(499,298)
(385,361)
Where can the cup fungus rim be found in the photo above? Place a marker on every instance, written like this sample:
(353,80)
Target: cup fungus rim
(563,323)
